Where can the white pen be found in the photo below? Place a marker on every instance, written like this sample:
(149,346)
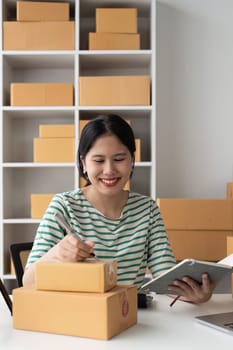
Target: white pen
(68,229)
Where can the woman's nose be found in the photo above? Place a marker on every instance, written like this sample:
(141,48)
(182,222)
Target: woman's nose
(109,167)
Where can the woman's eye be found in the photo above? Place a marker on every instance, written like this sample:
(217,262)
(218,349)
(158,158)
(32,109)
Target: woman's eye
(119,159)
(98,161)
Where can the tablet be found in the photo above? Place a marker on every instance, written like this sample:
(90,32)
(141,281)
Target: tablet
(6,296)
(187,267)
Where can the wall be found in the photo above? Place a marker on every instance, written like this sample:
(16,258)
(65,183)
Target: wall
(194,97)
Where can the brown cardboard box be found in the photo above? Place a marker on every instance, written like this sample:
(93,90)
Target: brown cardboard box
(114,90)
(42,11)
(91,315)
(229,245)
(197,244)
(54,150)
(114,41)
(41,94)
(38,35)
(56,130)
(23,258)
(93,275)
(196,214)
(39,203)
(116,20)
(138,150)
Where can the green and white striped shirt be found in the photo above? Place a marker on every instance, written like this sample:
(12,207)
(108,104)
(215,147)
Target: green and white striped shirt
(137,239)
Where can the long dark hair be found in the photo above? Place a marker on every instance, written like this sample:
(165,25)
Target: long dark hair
(101,125)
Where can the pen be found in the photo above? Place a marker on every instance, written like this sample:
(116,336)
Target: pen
(68,229)
(174,300)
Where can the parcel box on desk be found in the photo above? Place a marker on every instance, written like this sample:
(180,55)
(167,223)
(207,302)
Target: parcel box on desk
(39,204)
(116,20)
(114,90)
(196,214)
(38,35)
(91,315)
(229,245)
(42,11)
(114,41)
(41,94)
(56,130)
(207,245)
(89,276)
(48,150)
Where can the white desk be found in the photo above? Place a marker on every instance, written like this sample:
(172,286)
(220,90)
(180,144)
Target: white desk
(160,326)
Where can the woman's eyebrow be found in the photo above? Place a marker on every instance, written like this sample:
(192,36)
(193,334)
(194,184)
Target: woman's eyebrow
(114,155)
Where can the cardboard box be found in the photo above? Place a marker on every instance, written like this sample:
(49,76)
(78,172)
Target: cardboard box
(54,150)
(38,35)
(229,245)
(196,214)
(91,315)
(114,90)
(41,94)
(197,244)
(114,41)
(138,150)
(42,11)
(23,257)
(39,203)
(116,20)
(92,275)
(56,130)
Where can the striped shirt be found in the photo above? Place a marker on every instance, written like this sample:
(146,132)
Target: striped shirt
(137,239)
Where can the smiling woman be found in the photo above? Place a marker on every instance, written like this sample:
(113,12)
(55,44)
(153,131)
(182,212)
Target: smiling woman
(113,223)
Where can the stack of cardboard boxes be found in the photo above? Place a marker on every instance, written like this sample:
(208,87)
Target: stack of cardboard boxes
(78,299)
(116,29)
(56,143)
(198,228)
(40,26)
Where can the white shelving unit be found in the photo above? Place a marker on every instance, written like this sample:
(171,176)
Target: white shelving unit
(19,175)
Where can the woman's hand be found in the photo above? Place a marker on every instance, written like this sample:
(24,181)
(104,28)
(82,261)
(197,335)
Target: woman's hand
(192,291)
(71,249)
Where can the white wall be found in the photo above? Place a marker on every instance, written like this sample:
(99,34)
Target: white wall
(195,98)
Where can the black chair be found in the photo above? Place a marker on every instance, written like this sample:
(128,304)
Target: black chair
(16,249)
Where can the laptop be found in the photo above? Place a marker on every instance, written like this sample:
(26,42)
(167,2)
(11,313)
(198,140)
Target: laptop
(221,321)
(6,296)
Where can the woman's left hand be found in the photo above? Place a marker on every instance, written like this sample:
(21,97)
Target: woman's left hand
(192,291)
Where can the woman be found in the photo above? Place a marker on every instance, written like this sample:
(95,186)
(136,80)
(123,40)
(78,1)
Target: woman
(111,222)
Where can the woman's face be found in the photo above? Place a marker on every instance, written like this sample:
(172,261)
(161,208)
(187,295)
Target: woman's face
(108,164)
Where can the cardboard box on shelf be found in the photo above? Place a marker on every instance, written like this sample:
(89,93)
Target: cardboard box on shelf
(39,203)
(42,11)
(56,130)
(114,41)
(91,315)
(196,214)
(57,35)
(116,20)
(114,90)
(207,245)
(138,150)
(48,150)
(41,94)
(92,275)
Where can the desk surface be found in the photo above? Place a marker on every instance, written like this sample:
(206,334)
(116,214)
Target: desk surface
(160,326)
